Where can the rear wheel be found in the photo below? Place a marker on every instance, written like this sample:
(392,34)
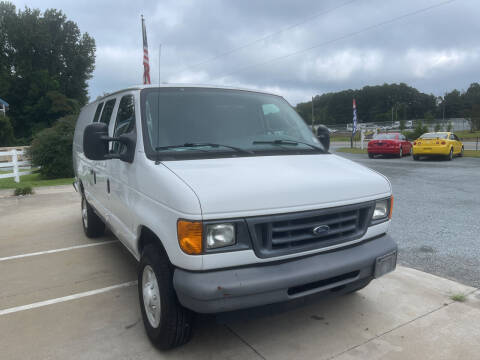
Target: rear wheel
(93,226)
(370,155)
(167,323)
(461,152)
(400,152)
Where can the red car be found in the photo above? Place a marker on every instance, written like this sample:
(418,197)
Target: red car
(389,144)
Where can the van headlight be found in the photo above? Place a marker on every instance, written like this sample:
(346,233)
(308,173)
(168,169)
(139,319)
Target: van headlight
(220,235)
(383,210)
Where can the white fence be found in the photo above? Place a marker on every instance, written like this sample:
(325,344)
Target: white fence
(16,164)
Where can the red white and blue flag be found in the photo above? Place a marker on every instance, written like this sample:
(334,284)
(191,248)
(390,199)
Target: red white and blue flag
(354,129)
(146,65)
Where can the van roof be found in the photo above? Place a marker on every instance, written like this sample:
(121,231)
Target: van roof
(140,87)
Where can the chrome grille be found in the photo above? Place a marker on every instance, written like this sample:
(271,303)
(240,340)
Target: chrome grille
(290,233)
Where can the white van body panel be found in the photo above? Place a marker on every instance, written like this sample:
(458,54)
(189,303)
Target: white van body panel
(251,186)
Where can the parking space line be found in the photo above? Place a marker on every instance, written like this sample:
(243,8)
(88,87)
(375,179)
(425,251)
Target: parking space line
(56,250)
(66,298)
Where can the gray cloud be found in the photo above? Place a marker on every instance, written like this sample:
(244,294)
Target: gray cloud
(434,51)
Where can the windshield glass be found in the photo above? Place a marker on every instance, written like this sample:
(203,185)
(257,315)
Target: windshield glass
(385,136)
(434,136)
(201,120)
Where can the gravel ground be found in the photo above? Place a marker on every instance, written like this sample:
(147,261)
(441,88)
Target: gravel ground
(436,214)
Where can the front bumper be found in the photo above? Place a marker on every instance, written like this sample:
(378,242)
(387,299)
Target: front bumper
(245,287)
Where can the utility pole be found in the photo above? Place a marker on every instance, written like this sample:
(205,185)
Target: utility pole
(313,120)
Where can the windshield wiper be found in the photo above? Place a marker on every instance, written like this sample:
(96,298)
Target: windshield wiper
(192,145)
(287,142)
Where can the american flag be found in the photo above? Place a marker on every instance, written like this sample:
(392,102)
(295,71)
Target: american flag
(146,65)
(354,129)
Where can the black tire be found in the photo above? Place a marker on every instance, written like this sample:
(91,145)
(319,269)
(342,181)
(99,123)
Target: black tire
(93,226)
(450,155)
(400,152)
(370,155)
(461,152)
(175,322)
(415,157)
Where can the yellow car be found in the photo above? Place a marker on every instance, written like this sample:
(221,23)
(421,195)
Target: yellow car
(437,143)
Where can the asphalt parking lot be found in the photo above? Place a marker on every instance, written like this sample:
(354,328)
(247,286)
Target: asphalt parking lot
(66,296)
(436,220)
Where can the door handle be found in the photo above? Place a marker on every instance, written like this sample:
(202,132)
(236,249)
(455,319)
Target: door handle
(92,172)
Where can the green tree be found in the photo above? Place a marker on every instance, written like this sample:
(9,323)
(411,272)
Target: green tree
(374,103)
(6,132)
(45,63)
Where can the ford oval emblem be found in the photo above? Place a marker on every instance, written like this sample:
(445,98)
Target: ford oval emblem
(320,230)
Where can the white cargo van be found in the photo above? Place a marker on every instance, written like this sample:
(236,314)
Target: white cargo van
(227,200)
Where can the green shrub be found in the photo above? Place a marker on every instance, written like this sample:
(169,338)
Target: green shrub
(6,132)
(51,149)
(25,190)
(419,130)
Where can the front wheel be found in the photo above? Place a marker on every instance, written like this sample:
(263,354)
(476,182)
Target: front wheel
(450,155)
(370,155)
(93,226)
(166,321)
(416,157)
(400,152)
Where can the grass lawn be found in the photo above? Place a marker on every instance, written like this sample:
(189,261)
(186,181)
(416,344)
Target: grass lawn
(471,153)
(33,180)
(468,135)
(352,151)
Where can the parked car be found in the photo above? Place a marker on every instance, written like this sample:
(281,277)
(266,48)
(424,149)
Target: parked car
(446,144)
(228,201)
(389,144)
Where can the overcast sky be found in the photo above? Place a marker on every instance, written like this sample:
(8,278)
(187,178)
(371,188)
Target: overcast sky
(354,44)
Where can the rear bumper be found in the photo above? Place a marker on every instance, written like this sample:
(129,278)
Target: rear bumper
(239,288)
(434,150)
(384,150)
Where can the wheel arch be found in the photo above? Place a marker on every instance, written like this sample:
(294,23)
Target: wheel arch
(146,236)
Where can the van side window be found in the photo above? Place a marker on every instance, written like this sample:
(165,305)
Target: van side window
(97,112)
(125,121)
(107,111)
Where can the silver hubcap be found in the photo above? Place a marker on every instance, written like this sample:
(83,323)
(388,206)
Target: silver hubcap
(151,296)
(84,213)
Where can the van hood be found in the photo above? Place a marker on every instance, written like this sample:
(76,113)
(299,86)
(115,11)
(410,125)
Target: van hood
(247,186)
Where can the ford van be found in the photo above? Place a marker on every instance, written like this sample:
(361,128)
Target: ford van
(228,201)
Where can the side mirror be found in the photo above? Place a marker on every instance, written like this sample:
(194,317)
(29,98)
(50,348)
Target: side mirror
(96,139)
(95,147)
(128,152)
(323,134)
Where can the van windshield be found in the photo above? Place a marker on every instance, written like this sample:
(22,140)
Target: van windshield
(203,122)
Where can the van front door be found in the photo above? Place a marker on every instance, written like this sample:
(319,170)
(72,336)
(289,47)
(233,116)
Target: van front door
(122,175)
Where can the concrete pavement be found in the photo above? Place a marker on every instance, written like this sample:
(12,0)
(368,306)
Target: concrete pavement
(407,314)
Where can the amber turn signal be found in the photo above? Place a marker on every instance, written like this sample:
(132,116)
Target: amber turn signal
(391,207)
(190,236)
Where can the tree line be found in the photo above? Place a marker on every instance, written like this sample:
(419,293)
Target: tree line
(45,63)
(397,102)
